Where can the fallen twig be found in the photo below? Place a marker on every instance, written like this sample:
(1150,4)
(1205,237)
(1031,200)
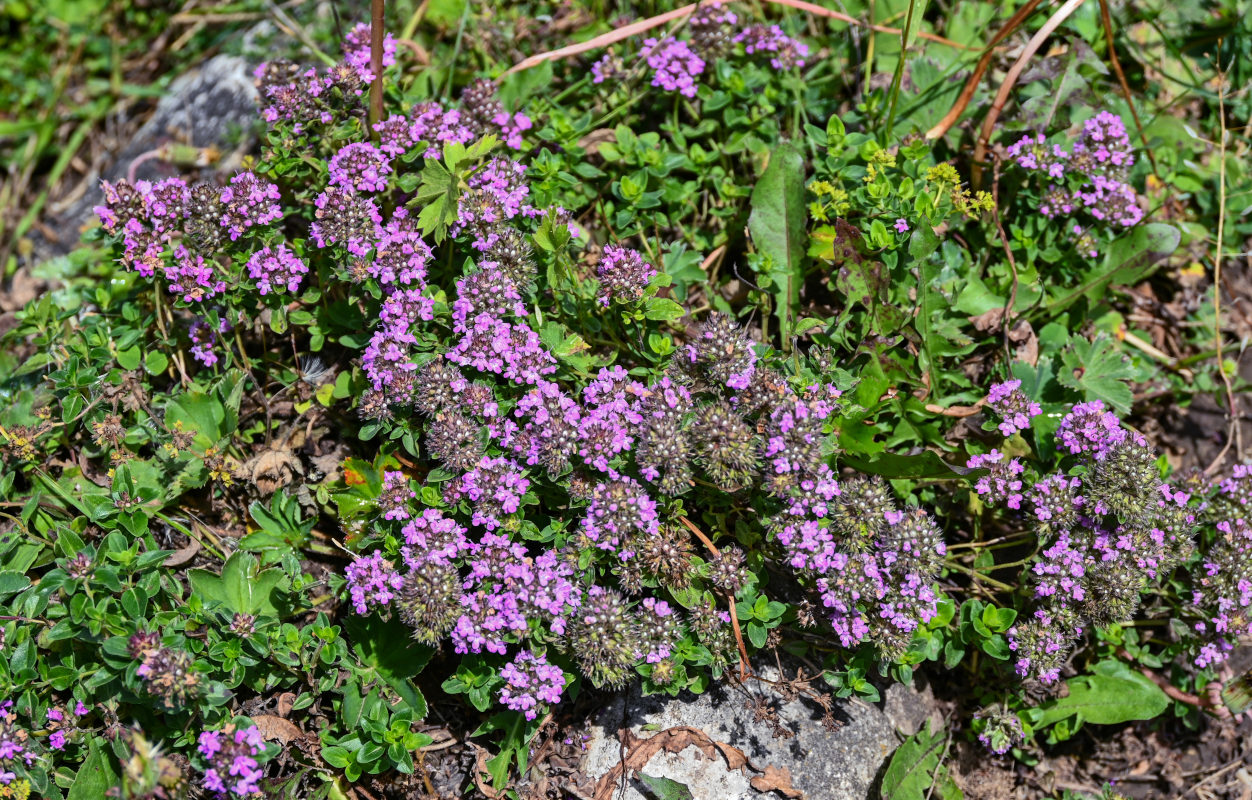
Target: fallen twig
(1107,20)
(626,31)
(1006,88)
(745,668)
(971,85)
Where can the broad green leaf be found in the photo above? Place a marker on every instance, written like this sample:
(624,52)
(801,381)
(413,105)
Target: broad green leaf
(1130,259)
(199,412)
(242,587)
(155,362)
(662,309)
(777,224)
(1107,700)
(388,647)
(927,464)
(910,773)
(95,777)
(939,333)
(12,582)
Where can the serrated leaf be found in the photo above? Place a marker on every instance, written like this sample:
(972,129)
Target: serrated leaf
(778,227)
(1099,370)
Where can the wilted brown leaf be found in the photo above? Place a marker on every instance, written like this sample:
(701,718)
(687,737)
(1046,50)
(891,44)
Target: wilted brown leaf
(183,555)
(776,780)
(276,729)
(675,740)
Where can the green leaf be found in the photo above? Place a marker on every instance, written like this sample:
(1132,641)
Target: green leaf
(155,362)
(913,22)
(778,227)
(658,788)
(388,647)
(336,756)
(1098,370)
(1107,700)
(1130,259)
(95,777)
(926,464)
(662,309)
(202,413)
(938,332)
(12,582)
(909,775)
(242,587)
(130,358)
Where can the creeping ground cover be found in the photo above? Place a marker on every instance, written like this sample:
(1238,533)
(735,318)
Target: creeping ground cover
(523,355)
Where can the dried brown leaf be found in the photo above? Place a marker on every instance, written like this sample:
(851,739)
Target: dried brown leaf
(183,555)
(276,728)
(988,320)
(776,779)
(674,740)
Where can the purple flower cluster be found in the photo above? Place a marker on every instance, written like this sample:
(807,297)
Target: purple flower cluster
(1090,429)
(276,269)
(372,581)
(204,339)
(231,757)
(181,231)
(247,202)
(1003,483)
(606,68)
(17,747)
(623,275)
(784,51)
(874,564)
(619,510)
(674,65)
(360,167)
(998,729)
(399,265)
(1220,608)
(344,218)
(396,496)
(356,51)
(494,490)
(1091,177)
(530,683)
(1110,526)
(1013,406)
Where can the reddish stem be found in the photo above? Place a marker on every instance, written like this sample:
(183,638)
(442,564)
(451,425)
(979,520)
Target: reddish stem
(744,669)
(376,65)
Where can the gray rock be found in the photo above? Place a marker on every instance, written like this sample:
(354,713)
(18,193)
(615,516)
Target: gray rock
(824,765)
(908,707)
(213,105)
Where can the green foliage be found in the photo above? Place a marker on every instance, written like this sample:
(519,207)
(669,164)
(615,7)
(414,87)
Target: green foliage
(917,767)
(1110,695)
(777,224)
(210,511)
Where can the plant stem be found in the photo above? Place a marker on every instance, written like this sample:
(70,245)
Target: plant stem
(977,576)
(376,66)
(744,669)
